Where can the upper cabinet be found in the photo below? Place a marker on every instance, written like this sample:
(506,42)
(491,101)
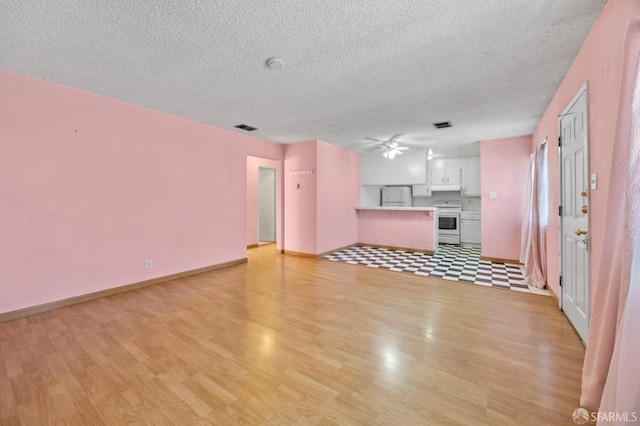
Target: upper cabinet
(444,171)
(405,169)
(461,173)
(412,166)
(445,176)
(421,190)
(470,185)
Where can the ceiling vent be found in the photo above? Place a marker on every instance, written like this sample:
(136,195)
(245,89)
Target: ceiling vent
(442,125)
(245,127)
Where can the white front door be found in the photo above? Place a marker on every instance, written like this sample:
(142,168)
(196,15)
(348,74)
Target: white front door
(574,222)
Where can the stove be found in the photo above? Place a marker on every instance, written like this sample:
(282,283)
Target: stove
(448,221)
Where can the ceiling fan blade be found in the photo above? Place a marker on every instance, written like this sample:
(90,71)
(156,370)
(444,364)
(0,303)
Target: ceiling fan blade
(413,145)
(402,148)
(398,152)
(372,139)
(394,137)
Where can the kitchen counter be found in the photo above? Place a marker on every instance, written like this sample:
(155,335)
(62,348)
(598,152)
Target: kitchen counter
(412,228)
(424,209)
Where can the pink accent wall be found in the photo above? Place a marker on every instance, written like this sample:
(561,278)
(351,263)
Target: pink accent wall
(504,165)
(406,229)
(338,193)
(320,214)
(90,187)
(300,205)
(253,166)
(600,63)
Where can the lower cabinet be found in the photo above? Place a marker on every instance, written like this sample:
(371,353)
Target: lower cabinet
(470,228)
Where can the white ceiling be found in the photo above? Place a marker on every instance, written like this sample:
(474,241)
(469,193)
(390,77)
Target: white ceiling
(353,69)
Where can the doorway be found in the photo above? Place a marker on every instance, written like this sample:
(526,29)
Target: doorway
(575,262)
(266,205)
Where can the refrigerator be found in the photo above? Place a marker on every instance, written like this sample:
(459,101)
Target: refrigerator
(396,196)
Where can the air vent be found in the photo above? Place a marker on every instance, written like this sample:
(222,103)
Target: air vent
(442,125)
(245,127)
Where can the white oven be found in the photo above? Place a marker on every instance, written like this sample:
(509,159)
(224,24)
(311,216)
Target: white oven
(448,221)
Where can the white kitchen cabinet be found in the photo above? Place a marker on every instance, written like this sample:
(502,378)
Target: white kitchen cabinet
(470,185)
(421,190)
(470,228)
(445,176)
(438,176)
(405,169)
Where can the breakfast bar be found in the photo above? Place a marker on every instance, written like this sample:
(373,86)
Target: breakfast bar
(411,228)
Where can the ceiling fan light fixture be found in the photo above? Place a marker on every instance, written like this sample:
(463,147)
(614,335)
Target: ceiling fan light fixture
(391,153)
(390,147)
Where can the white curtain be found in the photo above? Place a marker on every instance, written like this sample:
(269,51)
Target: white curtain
(526,214)
(622,389)
(611,373)
(534,226)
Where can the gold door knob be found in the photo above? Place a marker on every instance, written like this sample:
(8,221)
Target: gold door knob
(584,193)
(581,232)
(584,209)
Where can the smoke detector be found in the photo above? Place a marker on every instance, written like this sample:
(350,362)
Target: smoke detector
(275,63)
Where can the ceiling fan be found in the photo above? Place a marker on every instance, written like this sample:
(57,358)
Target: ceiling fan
(431,155)
(390,147)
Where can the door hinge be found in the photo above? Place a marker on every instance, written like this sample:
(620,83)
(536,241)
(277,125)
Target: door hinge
(560,210)
(559,140)
(560,280)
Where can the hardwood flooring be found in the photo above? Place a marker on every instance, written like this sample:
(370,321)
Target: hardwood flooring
(293,340)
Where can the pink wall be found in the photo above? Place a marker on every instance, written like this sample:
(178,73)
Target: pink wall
(406,229)
(320,214)
(338,193)
(300,204)
(91,187)
(253,166)
(504,165)
(599,62)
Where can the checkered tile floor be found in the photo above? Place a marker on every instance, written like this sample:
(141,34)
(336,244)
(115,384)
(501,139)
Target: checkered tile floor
(450,262)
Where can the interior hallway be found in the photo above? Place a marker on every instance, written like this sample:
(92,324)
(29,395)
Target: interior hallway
(285,339)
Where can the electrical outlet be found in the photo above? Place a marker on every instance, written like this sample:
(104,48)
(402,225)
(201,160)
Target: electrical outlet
(147,264)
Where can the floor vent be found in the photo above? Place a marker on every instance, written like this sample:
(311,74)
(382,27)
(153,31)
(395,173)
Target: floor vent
(442,125)
(245,127)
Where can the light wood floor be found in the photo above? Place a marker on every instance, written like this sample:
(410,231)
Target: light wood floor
(293,340)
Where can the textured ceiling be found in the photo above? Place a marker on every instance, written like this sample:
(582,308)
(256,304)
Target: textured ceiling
(353,69)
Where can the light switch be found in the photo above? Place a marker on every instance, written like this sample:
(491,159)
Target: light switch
(594,181)
(493,195)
